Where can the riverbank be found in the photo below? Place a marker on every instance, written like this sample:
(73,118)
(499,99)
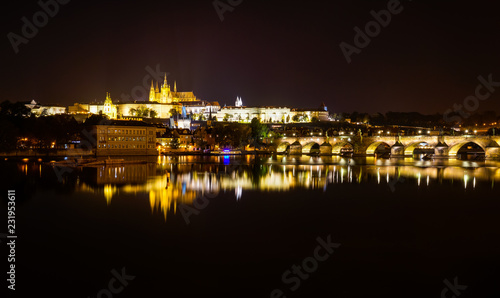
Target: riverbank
(48,153)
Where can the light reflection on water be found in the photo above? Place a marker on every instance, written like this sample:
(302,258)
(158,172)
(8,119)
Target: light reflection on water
(170,181)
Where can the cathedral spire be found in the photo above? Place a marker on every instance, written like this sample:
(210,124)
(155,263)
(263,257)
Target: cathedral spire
(157,90)
(152,92)
(108,98)
(165,81)
(175,86)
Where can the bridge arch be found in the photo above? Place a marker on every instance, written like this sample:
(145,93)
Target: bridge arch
(284,147)
(454,150)
(377,147)
(410,149)
(338,147)
(311,147)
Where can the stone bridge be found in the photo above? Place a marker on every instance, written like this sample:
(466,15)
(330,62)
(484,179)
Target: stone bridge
(398,146)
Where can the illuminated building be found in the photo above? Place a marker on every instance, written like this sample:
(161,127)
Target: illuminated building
(109,109)
(166,95)
(163,102)
(118,137)
(78,108)
(45,110)
(269,114)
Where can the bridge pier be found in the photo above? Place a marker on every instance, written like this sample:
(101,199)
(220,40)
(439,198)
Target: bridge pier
(441,150)
(296,148)
(492,152)
(398,150)
(325,149)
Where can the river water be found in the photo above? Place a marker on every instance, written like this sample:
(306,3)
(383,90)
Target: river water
(240,226)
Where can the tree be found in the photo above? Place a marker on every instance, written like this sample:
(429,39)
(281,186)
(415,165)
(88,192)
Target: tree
(287,118)
(493,131)
(258,132)
(200,135)
(296,118)
(173,112)
(175,143)
(95,119)
(143,111)
(17,109)
(314,119)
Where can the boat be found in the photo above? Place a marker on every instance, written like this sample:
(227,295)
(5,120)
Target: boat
(227,152)
(427,157)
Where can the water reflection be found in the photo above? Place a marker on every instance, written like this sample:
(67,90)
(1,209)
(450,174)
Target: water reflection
(169,181)
(180,180)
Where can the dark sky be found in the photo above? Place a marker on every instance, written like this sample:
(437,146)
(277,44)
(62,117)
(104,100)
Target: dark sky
(268,52)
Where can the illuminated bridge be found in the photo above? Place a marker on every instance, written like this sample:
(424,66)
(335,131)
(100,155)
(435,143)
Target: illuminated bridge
(398,146)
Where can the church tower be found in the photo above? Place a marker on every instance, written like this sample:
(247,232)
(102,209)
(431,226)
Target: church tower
(152,92)
(238,102)
(109,108)
(165,90)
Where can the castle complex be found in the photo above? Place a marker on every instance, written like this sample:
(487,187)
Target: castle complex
(166,95)
(164,102)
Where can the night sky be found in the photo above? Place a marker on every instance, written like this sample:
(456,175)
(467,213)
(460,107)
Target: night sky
(268,52)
